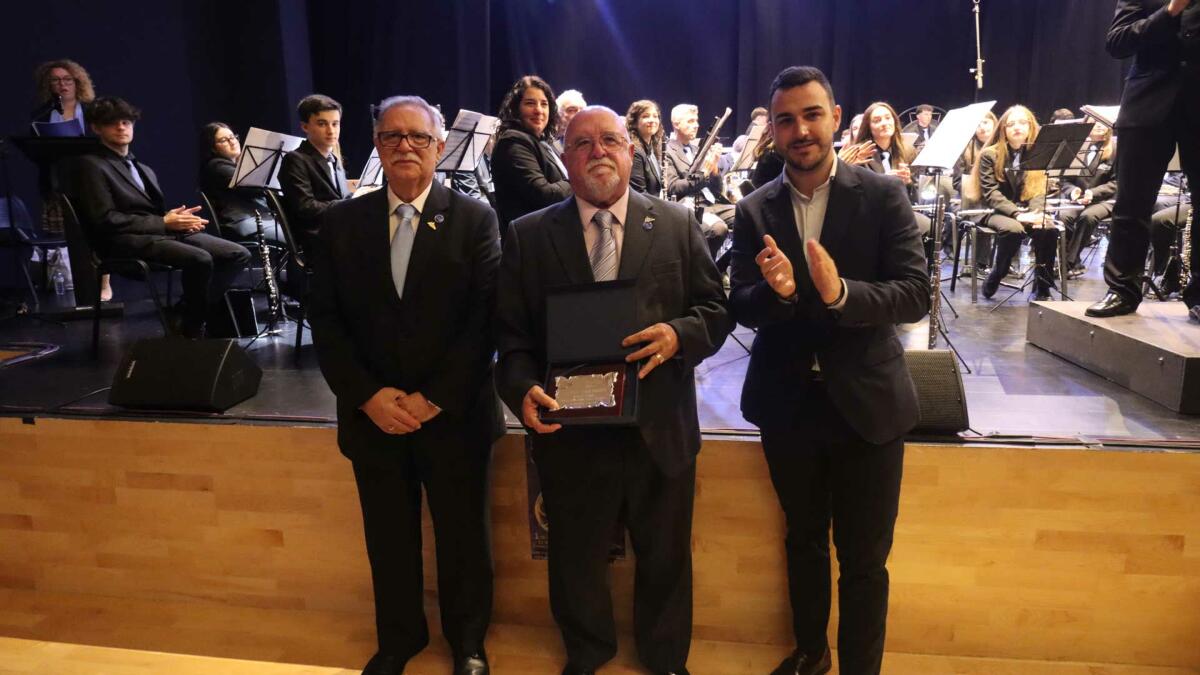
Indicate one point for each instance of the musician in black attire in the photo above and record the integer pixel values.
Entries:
(704, 186)
(1094, 193)
(1018, 199)
(1158, 111)
(312, 175)
(644, 123)
(235, 207)
(923, 126)
(527, 171)
(891, 154)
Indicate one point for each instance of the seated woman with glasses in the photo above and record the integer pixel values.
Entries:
(235, 207)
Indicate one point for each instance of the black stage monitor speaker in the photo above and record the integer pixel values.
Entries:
(174, 373)
(939, 391)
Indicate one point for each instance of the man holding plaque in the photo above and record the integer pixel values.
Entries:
(401, 311)
(826, 260)
(593, 475)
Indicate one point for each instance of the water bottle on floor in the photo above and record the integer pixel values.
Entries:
(60, 283)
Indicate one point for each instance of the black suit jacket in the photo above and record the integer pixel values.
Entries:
(436, 340)
(645, 176)
(1143, 29)
(112, 206)
(231, 204)
(525, 176)
(1004, 197)
(679, 182)
(677, 283)
(308, 189)
(870, 232)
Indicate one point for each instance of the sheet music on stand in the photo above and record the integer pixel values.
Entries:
(950, 139)
(746, 160)
(1057, 150)
(372, 173)
(1104, 114)
(258, 165)
(468, 138)
(58, 129)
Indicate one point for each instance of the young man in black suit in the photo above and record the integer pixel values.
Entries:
(591, 475)
(401, 310)
(312, 176)
(826, 260)
(1159, 109)
(122, 207)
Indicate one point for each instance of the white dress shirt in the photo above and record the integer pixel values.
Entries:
(394, 203)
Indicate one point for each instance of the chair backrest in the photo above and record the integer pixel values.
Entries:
(84, 260)
(14, 213)
(282, 221)
(214, 221)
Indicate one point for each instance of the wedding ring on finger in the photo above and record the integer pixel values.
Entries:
(391, 427)
(658, 357)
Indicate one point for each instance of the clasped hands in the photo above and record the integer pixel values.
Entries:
(776, 269)
(184, 220)
(397, 412)
(661, 343)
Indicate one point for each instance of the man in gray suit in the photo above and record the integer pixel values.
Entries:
(591, 477)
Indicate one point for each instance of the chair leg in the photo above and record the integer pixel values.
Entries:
(300, 330)
(158, 306)
(96, 308)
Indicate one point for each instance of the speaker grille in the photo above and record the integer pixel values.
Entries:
(939, 391)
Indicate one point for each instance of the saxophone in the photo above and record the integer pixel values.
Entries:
(1185, 255)
(273, 304)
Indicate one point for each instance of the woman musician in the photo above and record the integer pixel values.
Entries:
(644, 122)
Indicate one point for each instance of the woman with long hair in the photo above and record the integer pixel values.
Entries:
(1017, 198)
(964, 170)
(891, 154)
(235, 207)
(528, 173)
(644, 122)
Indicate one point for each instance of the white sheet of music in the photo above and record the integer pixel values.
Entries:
(948, 142)
(257, 166)
(469, 136)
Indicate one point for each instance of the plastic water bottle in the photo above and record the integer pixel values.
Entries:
(60, 283)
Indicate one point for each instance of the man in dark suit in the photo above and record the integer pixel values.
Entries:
(704, 187)
(1159, 108)
(312, 176)
(403, 336)
(826, 260)
(590, 476)
(923, 126)
(122, 207)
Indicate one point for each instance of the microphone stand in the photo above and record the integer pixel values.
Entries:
(977, 71)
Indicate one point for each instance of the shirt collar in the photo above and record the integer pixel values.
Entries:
(394, 202)
(823, 187)
(619, 209)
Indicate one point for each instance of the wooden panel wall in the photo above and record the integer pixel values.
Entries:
(1016, 553)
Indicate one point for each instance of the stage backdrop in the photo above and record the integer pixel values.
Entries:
(188, 63)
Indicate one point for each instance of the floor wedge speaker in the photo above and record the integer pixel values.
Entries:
(939, 391)
(174, 373)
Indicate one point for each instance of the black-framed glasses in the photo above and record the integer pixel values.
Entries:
(62, 80)
(391, 139)
(228, 139)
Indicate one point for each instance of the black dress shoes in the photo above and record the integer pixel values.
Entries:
(475, 664)
(1111, 305)
(385, 664)
(803, 664)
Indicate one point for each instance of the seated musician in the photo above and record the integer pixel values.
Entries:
(703, 187)
(889, 154)
(235, 207)
(569, 103)
(923, 126)
(312, 176)
(1094, 193)
(1165, 227)
(756, 115)
(645, 128)
(1018, 199)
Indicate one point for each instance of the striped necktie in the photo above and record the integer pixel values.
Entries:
(604, 253)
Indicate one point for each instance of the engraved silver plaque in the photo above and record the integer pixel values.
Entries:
(576, 392)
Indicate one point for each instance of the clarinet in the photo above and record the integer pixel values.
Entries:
(1185, 256)
(273, 304)
(935, 275)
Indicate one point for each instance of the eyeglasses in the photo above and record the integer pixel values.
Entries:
(391, 139)
(62, 80)
(611, 143)
(228, 139)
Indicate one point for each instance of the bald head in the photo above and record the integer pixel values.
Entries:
(598, 155)
(596, 111)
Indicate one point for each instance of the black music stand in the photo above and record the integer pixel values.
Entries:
(1175, 253)
(1056, 151)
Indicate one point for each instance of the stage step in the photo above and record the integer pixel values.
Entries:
(1154, 352)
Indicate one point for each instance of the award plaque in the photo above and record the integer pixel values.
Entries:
(587, 373)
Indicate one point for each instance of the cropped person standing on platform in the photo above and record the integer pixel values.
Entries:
(312, 175)
(1159, 109)
(526, 169)
(594, 477)
(403, 332)
(826, 261)
(120, 201)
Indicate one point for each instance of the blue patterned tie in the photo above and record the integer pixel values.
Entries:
(402, 243)
(604, 253)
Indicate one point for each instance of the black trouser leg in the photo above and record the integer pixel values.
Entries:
(1009, 234)
(1045, 254)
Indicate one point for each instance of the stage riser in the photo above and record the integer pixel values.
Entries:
(1015, 553)
(1155, 358)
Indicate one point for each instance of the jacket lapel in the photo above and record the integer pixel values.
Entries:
(122, 169)
(432, 224)
(844, 200)
(639, 235)
(566, 236)
(321, 166)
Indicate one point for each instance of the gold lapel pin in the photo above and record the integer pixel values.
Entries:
(434, 223)
(648, 224)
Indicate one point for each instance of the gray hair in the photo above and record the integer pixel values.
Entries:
(570, 96)
(435, 115)
(682, 110)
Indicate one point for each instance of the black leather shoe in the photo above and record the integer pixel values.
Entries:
(475, 664)
(990, 287)
(385, 664)
(1111, 305)
(572, 670)
(803, 664)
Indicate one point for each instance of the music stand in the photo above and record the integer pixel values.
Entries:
(746, 160)
(467, 140)
(939, 155)
(372, 174)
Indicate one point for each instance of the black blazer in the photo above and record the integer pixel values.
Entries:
(1004, 197)
(677, 283)
(436, 340)
(1143, 29)
(308, 188)
(1102, 183)
(870, 232)
(645, 176)
(111, 206)
(876, 165)
(526, 177)
(231, 204)
(677, 179)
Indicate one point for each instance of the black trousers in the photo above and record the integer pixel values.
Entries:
(453, 468)
(825, 474)
(1080, 227)
(591, 480)
(1009, 233)
(209, 265)
(1142, 158)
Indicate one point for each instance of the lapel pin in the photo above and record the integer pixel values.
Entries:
(437, 220)
(648, 224)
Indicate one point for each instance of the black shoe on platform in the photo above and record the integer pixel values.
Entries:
(385, 664)
(803, 664)
(1111, 305)
(475, 664)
